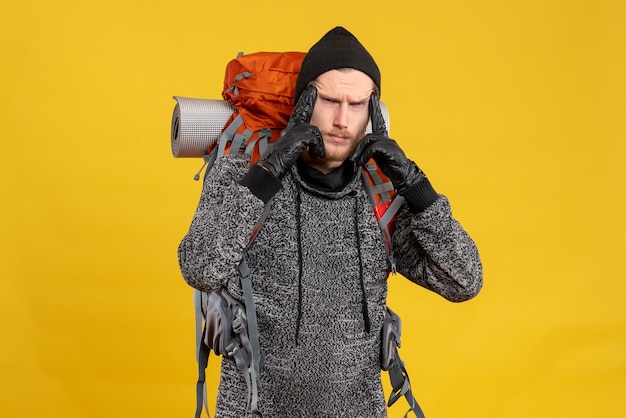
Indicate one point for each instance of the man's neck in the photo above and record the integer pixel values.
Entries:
(331, 180)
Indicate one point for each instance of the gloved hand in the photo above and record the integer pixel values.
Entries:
(402, 172)
(295, 138)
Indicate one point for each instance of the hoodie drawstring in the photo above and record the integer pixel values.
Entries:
(366, 316)
(300, 259)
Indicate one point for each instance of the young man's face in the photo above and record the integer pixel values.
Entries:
(341, 113)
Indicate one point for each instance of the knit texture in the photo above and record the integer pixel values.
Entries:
(321, 362)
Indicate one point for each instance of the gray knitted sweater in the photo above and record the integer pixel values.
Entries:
(315, 289)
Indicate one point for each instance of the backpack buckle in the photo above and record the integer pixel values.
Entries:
(239, 325)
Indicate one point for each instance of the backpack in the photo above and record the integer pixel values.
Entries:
(258, 98)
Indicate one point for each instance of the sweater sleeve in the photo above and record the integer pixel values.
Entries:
(226, 215)
(433, 250)
(261, 183)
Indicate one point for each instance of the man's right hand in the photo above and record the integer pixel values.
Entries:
(295, 138)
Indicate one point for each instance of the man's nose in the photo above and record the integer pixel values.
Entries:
(341, 116)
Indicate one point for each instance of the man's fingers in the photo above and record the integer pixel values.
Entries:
(303, 109)
(316, 145)
(362, 151)
(365, 149)
(376, 116)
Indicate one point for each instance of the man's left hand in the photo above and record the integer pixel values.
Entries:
(402, 172)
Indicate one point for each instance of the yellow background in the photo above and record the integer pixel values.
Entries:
(515, 110)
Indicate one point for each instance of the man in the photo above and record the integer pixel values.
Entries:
(319, 263)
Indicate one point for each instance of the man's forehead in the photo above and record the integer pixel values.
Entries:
(345, 82)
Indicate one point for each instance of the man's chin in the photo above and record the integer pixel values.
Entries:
(326, 164)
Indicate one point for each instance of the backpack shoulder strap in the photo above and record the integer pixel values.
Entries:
(401, 386)
(249, 334)
(386, 204)
(254, 368)
(202, 354)
(393, 364)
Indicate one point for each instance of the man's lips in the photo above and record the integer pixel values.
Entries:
(337, 138)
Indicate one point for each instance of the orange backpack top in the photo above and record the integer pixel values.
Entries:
(261, 87)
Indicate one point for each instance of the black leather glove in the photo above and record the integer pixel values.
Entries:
(295, 138)
(402, 172)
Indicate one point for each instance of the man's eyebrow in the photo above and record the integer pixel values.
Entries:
(363, 100)
(334, 99)
(325, 96)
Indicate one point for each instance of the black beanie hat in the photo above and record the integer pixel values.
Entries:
(337, 49)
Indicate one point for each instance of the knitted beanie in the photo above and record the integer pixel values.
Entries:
(337, 49)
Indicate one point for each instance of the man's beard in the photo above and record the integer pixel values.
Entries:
(341, 152)
(336, 154)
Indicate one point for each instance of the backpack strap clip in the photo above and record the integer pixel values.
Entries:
(391, 362)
